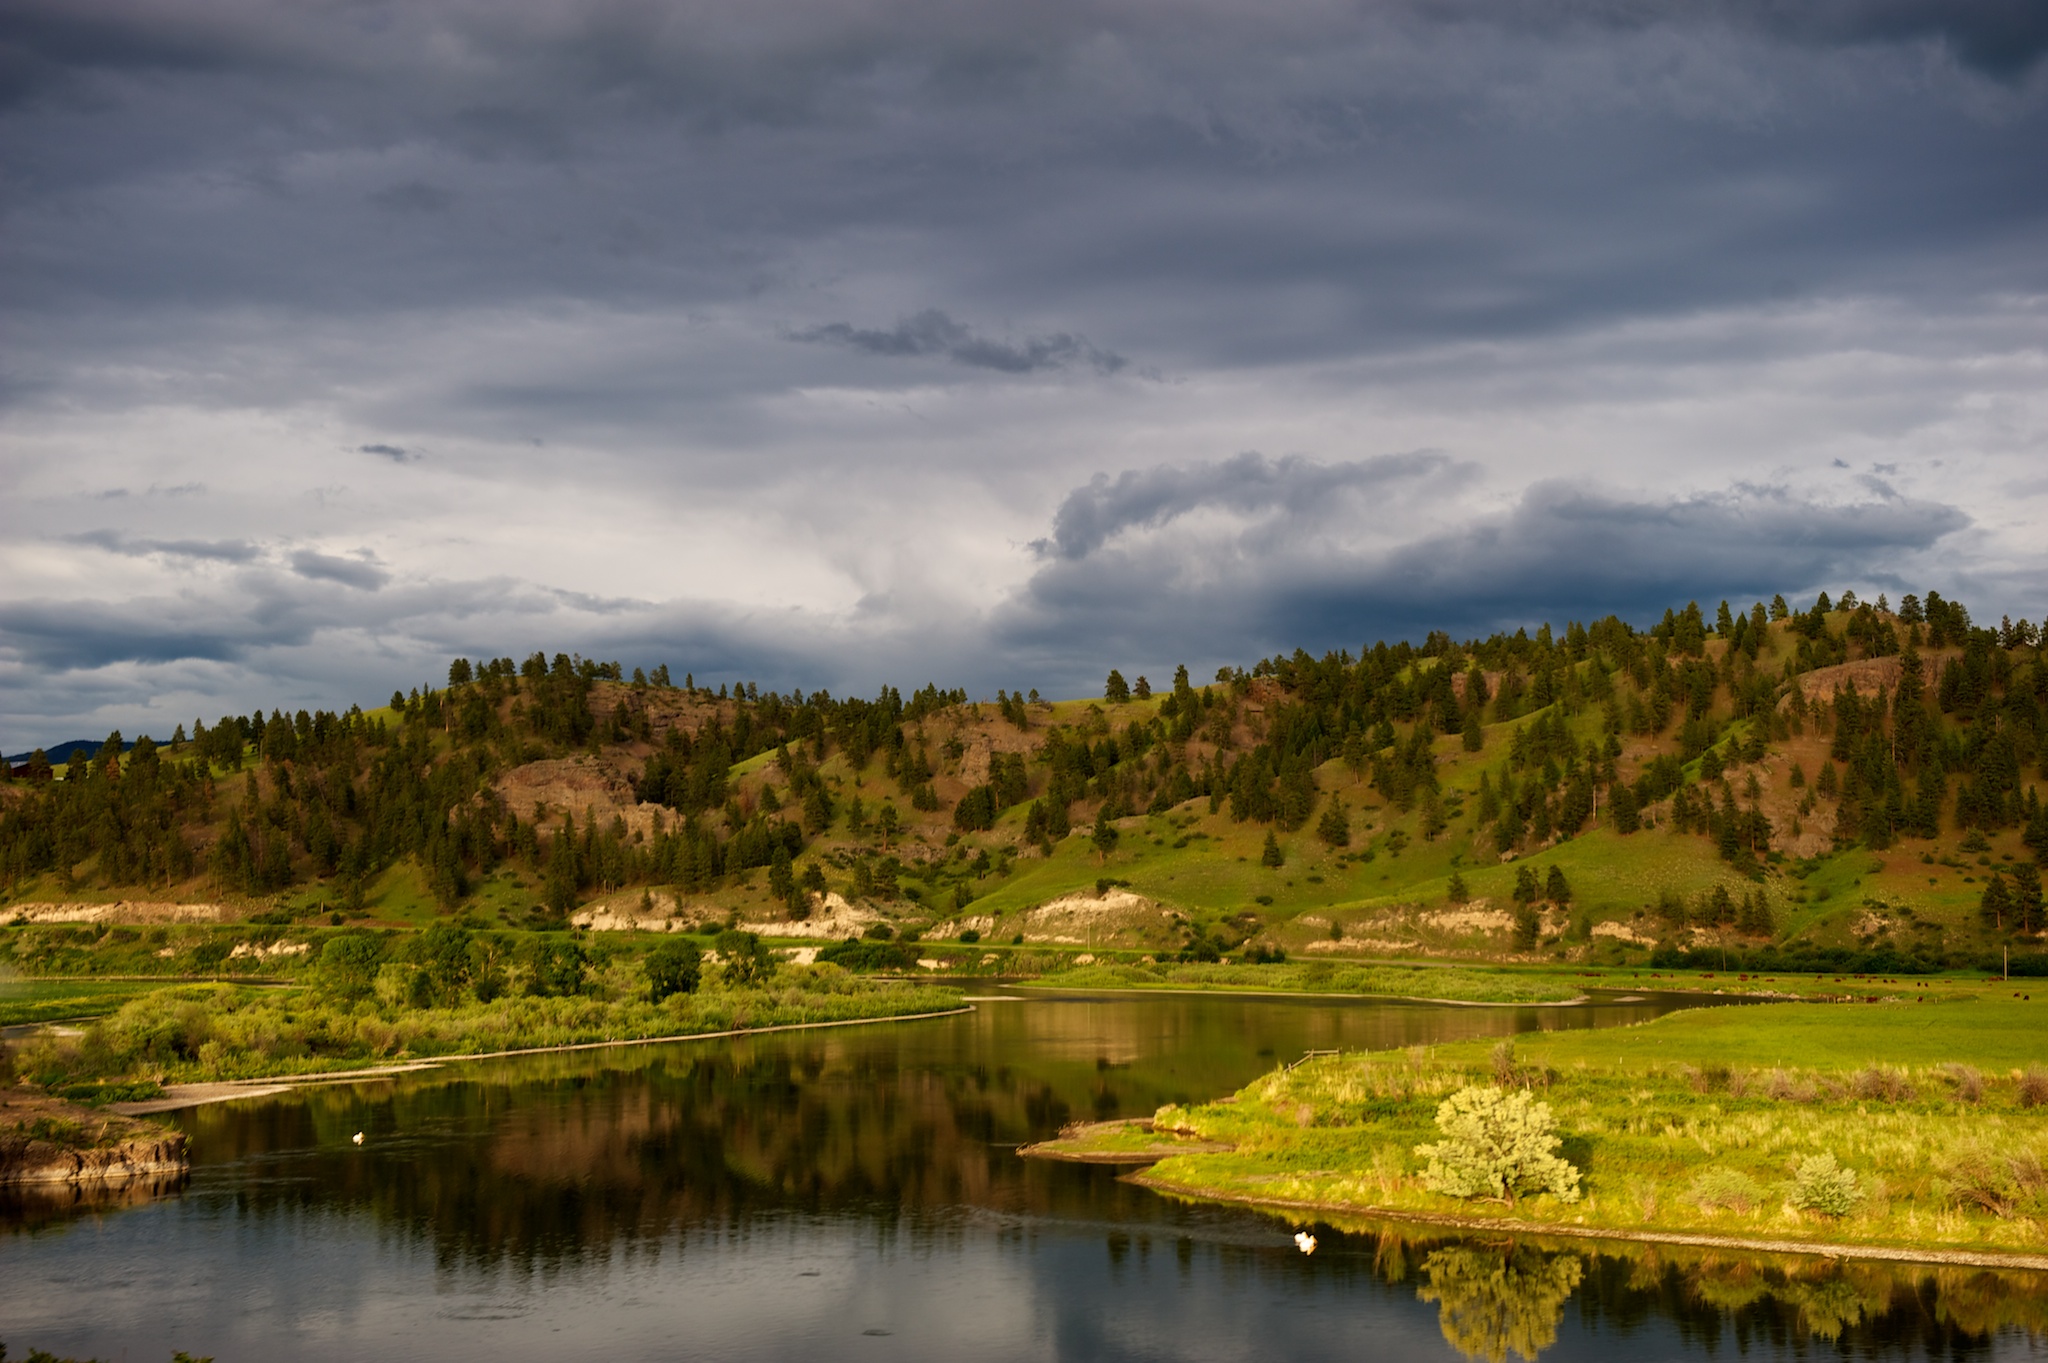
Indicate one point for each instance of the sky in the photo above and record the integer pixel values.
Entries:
(836, 343)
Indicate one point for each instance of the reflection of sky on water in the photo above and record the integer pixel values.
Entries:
(1198, 1285)
(781, 1198)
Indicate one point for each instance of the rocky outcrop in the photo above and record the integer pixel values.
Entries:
(48, 1142)
(156, 1156)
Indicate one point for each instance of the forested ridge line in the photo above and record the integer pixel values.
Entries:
(1759, 740)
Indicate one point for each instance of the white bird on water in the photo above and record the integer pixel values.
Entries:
(1305, 1242)
(358, 1138)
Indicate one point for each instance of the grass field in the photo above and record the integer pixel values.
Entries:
(62, 999)
(1691, 1123)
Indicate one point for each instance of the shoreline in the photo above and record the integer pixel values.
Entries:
(1813, 1249)
(1141, 990)
(179, 1097)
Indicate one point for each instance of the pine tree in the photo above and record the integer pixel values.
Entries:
(2026, 897)
(1272, 855)
(1623, 811)
(1995, 905)
(1556, 888)
(1335, 827)
(1472, 735)
(1116, 689)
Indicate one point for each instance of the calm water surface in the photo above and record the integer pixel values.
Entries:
(853, 1194)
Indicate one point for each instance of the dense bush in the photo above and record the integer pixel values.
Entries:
(1497, 1145)
(859, 954)
(1819, 1184)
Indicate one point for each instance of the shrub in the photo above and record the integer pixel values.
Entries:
(1717, 1188)
(1496, 1145)
(1710, 1079)
(856, 954)
(1967, 1081)
(1787, 1087)
(1884, 1085)
(2000, 1181)
(2033, 1087)
(1819, 1184)
(970, 936)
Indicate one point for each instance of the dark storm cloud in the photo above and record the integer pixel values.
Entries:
(1249, 483)
(934, 333)
(397, 454)
(413, 197)
(1562, 551)
(219, 551)
(67, 636)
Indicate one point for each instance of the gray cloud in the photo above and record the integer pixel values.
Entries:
(1737, 245)
(934, 333)
(218, 551)
(1143, 498)
(358, 573)
(71, 636)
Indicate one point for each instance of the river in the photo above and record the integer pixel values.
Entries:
(854, 1194)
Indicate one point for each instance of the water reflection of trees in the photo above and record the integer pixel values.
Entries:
(550, 1156)
(1501, 1297)
(533, 1166)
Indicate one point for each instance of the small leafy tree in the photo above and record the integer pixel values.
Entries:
(674, 967)
(559, 966)
(348, 965)
(1105, 839)
(747, 962)
(1497, 1145)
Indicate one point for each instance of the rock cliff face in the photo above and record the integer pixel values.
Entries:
(25, 1159)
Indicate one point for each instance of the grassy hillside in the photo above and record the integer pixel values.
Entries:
(1830, 789)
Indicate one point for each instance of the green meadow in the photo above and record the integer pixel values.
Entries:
(1694, 1123)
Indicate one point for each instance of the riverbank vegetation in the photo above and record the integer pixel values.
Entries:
(1921, 1125)
(449, 992)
